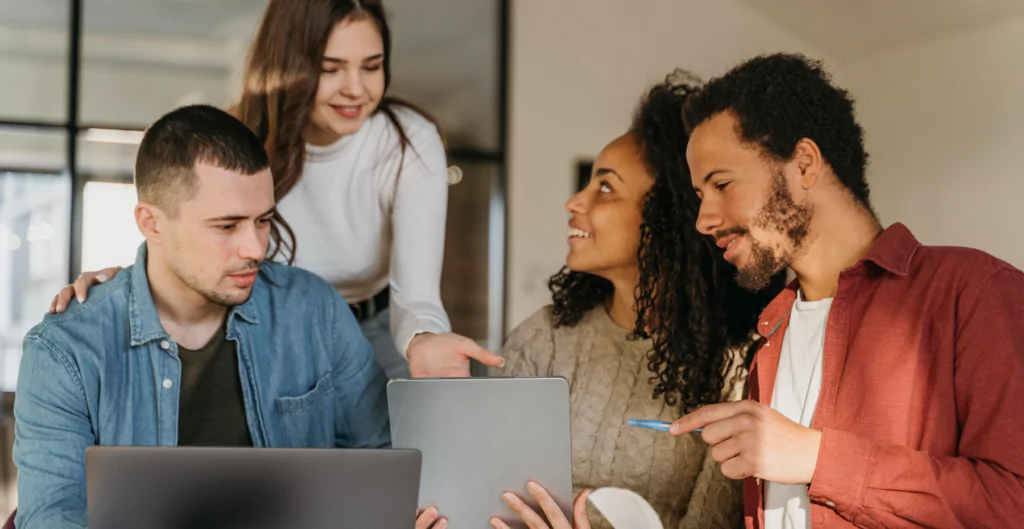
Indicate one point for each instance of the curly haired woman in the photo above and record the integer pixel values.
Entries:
(646, 322)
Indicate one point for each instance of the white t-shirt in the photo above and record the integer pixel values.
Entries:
(361, 225)
(797, 387)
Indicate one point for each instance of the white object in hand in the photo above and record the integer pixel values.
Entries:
(625, 509)
(454, 175)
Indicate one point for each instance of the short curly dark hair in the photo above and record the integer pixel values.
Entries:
(687, 303)
(782, 98)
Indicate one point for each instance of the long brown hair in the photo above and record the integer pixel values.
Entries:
(281, 77)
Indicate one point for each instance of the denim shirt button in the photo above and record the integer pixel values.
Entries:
(164, 344)
(168, 383)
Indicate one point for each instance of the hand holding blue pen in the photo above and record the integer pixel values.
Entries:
(751, 440)
(660, 426)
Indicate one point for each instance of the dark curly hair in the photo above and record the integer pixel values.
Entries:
(782, 98)
(687, 301)
(575, 293)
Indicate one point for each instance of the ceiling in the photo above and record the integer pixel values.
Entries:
(446, 51)
(848, 30)
(204, 19)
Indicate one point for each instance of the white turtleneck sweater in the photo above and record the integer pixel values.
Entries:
(362, 224)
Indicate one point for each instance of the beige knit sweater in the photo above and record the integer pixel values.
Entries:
(609, 382)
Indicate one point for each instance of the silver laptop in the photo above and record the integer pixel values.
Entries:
(481, 437)
(251, 488)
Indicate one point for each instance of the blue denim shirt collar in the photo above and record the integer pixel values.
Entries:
(144, 322)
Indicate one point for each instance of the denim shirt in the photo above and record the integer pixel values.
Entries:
(106, 373)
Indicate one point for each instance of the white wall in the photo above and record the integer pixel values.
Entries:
(945, 132)
(578, 68)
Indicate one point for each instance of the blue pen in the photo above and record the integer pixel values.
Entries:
(660, 426)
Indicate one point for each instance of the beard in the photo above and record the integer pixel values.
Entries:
(763, 265)
(780, 214)
(229, 297)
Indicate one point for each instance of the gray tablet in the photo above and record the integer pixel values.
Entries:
(481, 437)
(254, 488)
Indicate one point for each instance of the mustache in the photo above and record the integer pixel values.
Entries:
(250, 267)
(738, 230)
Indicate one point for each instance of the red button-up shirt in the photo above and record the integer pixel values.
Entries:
(922, 395)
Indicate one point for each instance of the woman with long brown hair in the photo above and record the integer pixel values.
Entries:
(360, 176)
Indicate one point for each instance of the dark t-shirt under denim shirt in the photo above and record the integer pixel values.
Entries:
(106, 373)
(211, 409)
